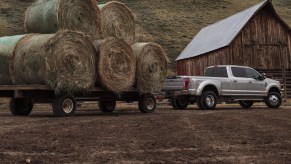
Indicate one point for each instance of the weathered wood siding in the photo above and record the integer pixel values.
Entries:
(264, 43)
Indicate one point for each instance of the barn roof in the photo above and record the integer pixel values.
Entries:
(219, 34)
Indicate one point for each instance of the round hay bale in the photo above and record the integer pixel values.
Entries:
(152, 64)
(116, 64)
(7, 45)
(65, 61)
(117, 21)
(49, 16)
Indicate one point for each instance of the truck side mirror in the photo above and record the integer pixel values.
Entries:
(262, 77)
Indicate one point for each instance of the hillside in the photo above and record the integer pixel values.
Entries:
(166, 22)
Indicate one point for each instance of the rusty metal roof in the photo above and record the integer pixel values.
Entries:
(219, 34)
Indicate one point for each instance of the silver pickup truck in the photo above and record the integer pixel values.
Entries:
(223, 83)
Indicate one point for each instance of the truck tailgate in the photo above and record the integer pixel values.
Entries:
(173, 84)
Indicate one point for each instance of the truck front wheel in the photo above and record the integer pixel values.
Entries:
(107, 106)
(207, 100)
(20, 106)
(273, 100)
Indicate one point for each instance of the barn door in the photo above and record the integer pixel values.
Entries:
(268, 57)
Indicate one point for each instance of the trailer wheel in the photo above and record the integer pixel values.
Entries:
(107, 106)
(208, 100)
(20, 106)
(180, 102)
(147, 103)
(246, 104)
(273, 100)
(64, 105)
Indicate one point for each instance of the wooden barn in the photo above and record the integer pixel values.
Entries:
(256, 37)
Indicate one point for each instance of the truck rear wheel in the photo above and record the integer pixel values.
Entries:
(246, 104)
(147, 103)
(107, 106)
(64, 105)
(181, 102)
(207, 100)
(273, 100)
(174, 104)
(198, 103)
(20, 106)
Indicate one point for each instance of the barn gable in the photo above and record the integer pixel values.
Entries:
(222, 33)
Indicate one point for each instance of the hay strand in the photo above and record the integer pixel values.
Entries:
(117, 21)
(65, 61)
(49, 16)
(7, 46)
(116, 64)
(151, 67)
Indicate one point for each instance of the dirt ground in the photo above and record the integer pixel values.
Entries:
(226, 135)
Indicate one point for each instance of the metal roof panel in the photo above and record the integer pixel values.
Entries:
(219, 34)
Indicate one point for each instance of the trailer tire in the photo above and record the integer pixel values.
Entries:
(246, 104)
(64, 105)
(181, 102)
(107, 106)
(273, 100)
(147, 103)
(20, 106)
(208, 100)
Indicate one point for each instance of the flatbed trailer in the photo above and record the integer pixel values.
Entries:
(23, 98)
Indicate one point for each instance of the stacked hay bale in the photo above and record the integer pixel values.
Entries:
(116, 64)
(7, 46)
(151, 67)
(101, 53)
(64, 61)
(118, 21)
(49, 16)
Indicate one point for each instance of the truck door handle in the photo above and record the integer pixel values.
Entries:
(235, 81)
(250, 82)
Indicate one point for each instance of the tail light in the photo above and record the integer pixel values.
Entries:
(186, 83)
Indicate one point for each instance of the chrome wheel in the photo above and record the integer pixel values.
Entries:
(210, 100)
(68, 106)
(150, 103)
(207, 100)
(273, 100)
(147, 103)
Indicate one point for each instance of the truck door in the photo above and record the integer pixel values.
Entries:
(220, 72)
(247, 83)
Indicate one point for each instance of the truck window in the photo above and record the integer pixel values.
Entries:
(252, 73)
(239, 72)
(209, 72)
(216, 72)
(220, 72)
